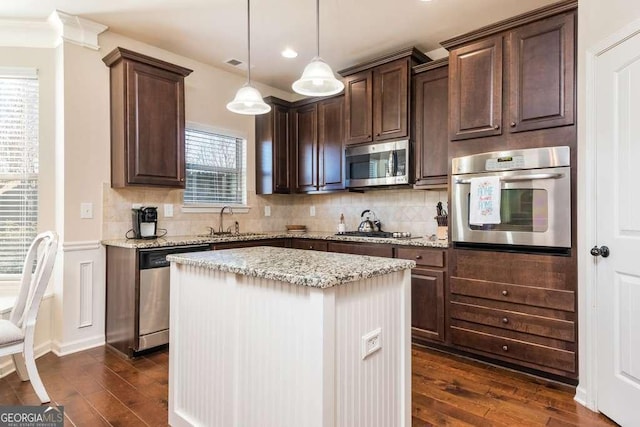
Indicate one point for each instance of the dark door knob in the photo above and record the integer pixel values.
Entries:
(602, 251)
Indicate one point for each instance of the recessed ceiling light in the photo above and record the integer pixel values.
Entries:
(289, 53)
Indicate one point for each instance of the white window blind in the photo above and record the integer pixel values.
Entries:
(215, 168)
(18, 167)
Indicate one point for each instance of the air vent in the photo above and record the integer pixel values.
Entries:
(233, 62)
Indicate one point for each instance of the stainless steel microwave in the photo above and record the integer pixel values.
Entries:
(377, 164)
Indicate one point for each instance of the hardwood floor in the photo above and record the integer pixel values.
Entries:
(98, 388)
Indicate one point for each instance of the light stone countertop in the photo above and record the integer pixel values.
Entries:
(296, 266)
(195, 240)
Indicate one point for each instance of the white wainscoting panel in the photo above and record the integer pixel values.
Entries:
(79, 310)
(86, 294)
(255, 352)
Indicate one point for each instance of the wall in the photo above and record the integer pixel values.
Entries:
(597, 19)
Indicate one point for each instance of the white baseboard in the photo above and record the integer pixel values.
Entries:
(581, 398)
(7, 367)
(60, 349)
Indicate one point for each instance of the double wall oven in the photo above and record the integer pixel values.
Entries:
(535, 199)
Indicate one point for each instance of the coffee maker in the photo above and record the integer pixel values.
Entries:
(145, 221)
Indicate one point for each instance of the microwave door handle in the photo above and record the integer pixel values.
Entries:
(517, 178)
(393, 163)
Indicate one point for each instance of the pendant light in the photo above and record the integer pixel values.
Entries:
(248, 99)
(317, 78)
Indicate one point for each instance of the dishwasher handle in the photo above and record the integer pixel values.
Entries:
(157, 257)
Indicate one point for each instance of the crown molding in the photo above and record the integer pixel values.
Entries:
(76, 30)
(59, 27)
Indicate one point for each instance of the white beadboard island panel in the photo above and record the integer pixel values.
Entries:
(253, 351)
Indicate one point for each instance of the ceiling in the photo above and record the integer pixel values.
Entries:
(351, 31)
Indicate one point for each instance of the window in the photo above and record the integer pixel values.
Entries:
(215, 168)
(18, 167)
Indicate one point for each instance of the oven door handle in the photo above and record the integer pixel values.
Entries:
(517, 178)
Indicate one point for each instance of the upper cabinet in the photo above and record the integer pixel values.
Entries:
(476, 89)
(377, 97)
(319, 145)
(515, 76)
(273, 148)
(147, 120)
(300, 146)
(430, 94)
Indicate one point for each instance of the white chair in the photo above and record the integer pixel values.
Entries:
(17, 333)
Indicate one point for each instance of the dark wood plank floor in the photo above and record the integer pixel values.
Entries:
(98, 388)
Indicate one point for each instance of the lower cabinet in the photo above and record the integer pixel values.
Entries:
(370, 249)
(427, 292)
(427, 304)
(310, 244)
(280, 243)
(516, 308)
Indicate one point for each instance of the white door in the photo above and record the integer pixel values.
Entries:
(618, 227)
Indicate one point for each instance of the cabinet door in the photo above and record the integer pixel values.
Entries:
(309, 244)
(359, 107)
(427, 304)
(431, 90)
(331, 144)
(541, 74)
(306, 140)
(476, 89)
(391, 100)
(281, 150)
(155, 130)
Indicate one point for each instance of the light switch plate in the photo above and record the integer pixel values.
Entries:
(136, 205)
(267, 211)
(312, 211)
(86, 210)
(168, 210)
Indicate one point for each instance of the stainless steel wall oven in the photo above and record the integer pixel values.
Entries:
(535, 205)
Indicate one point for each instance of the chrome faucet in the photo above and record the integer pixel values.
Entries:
(221, 227)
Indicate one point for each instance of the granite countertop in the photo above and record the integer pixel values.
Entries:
(296, 266)
(194, 240)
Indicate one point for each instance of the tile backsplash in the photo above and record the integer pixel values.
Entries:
(398, 210)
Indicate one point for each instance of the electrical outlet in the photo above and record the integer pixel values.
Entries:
(267, 211)
(136, 205)
(86, 210)
(312, 211)
(371, 343)
(168, 210)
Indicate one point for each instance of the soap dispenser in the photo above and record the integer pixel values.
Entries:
(342, 227)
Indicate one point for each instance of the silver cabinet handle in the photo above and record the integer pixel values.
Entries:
(517, 178)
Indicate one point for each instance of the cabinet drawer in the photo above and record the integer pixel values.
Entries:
(313, 245)
(426, 257)
(514, 349)
(380, 250)
(529, 295)
(520, 322)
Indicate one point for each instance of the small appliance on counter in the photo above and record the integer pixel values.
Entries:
(145, 222)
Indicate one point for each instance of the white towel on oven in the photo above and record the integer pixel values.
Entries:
(484, 203)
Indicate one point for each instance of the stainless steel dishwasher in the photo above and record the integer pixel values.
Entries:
(153, 314)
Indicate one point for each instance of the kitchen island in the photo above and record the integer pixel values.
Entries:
(268, 336)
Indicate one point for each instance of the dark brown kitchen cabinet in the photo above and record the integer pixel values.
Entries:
(427, 304)
(431, 97)
(310, 244)
(515, 307)
(427, 292)
(358, 89)
(541, 74)
(476, 89)
(305, 135)
(377, 97)
(515, 76)
(147, 120)
(331, 144)
(370, 249)
(319, 144)
(273, 149)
